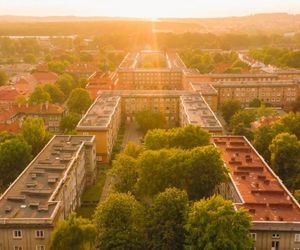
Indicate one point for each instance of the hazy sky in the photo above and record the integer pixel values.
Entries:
(146, 8)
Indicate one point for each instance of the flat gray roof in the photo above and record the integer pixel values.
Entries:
(32, 196)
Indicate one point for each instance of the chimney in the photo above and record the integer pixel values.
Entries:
(47, 105)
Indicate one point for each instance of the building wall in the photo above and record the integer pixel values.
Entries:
(169, 106)
(275, 95)
(106, 137)
(149, 80)
(286, 240)
(29, 241)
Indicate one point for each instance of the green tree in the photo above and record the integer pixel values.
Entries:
(29, 58)
(85, 57)
(242, 129)
(79, 101)
(21, 100)
(166, 219)
(197, 171)
(255, 103)
(285, 159)
(125, 171)
(186, 138)
(229, 108)
(57, 66)
(56, 95)
(69, 122)
(189, 137)
(120, 223)
(205, 171)
(73, 234)
(39, 95)
(289, 123)
(157, 139)
(3, 78)
(34, 133)
(296, 105)
(66, 83)
(148, 120)
(15, 154)
(215, 224)
(134, 150)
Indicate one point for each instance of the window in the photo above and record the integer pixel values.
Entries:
(297, 237)
(253, 236)
(275, 245)
(39, 234)
(99, 158)
(17, 234)
(18, 248)
(40, 247)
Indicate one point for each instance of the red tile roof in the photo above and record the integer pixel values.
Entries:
(8, 94)
(101, 81)
(261, 191)
(45, 77)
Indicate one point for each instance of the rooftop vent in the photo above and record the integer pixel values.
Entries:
(8, 209)
(16, 198)
(252, 210)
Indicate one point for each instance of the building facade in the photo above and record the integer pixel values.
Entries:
(276, 93)
(134, 74)
(13, 115)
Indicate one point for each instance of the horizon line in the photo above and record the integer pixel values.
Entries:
(147, 18)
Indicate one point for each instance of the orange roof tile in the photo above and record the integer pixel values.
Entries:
(260, 189)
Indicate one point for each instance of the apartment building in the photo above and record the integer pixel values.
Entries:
(276, 93)
(165, 73)
(101, 81)
(46, 191)
(192, 75)
(255, 187)
(103, 120)
(180, 108)
(208, 92)
(195, 110)
(13, 115)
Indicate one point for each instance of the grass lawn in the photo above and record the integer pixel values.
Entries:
(92, 194)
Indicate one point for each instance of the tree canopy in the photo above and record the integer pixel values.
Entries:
(39, 95)
(166, 219)
(148, 120)
(15, 154)
(69, 122)
(34, 133)
(119, 223)
(229, 108)
(198, 171)
(3, 78)
(73, 234)
(214, 224)
(185, 137)
(79, 101)
(285, 159)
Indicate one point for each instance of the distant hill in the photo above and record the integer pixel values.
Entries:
(278, 23)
